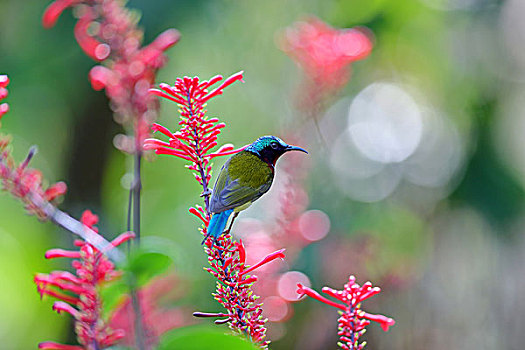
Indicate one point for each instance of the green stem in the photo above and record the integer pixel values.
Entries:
(134, 206)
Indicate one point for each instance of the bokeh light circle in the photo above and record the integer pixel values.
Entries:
(438, 158)
(314, 225)
(385, 123)
(287, 284)
(275, 308)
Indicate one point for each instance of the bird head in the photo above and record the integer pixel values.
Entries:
(270, 148)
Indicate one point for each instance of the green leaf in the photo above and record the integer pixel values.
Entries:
(154, 256)
(203, 337)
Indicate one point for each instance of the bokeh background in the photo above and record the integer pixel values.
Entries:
(414, 179)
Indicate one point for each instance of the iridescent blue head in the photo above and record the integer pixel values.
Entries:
(270, 148)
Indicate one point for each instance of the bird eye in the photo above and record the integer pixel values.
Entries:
(274, 145)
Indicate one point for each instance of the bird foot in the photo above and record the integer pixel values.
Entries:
(206, 193)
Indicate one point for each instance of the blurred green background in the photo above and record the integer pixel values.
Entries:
(429, 206)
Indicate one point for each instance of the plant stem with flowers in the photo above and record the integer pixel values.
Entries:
(82, 299)
(353, 320)
(194, 143)
(325, 55)
(26, 184)
(93, 267)
(107, 32)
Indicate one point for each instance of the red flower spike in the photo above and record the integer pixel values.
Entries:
(198, 134)
(325, 55)
(129, 67)
(227, 258)
(353, 320)
(81, 297)
(20, 180)
(324, 52)
(195, 141)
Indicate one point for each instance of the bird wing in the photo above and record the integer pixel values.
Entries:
(230, 193)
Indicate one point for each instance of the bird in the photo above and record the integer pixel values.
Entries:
(243, 179)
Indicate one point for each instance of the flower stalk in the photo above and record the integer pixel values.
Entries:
(26, 184)
(353, 320)
(78, 293)
(108, 33)
(195, 142)
(324, 54)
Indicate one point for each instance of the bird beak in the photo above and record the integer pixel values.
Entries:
(295, 148)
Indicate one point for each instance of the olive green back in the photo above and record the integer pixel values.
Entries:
(243, 179)
(250, 170)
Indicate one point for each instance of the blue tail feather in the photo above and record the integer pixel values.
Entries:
(218, 224)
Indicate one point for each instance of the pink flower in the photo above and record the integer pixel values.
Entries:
(78, 293)
(227, 259)
(324, 54)
(198, 133)
(107, 32)
(353, 320)
(21, 181)
(194, 142)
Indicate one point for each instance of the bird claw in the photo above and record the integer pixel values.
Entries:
(206, 193)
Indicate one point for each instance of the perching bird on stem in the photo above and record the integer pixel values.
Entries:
(243, 179)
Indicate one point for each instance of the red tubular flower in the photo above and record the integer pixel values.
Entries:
(234, 292)
(198, 133)
(194, 142)
(78, 293)
(107, 32)
(54, 10)
(324, 54)
(21, 181)
(353, 320)
(91, 46)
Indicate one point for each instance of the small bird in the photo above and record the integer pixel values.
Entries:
(243, 179)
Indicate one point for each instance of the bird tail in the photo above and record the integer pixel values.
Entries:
(217, 224)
